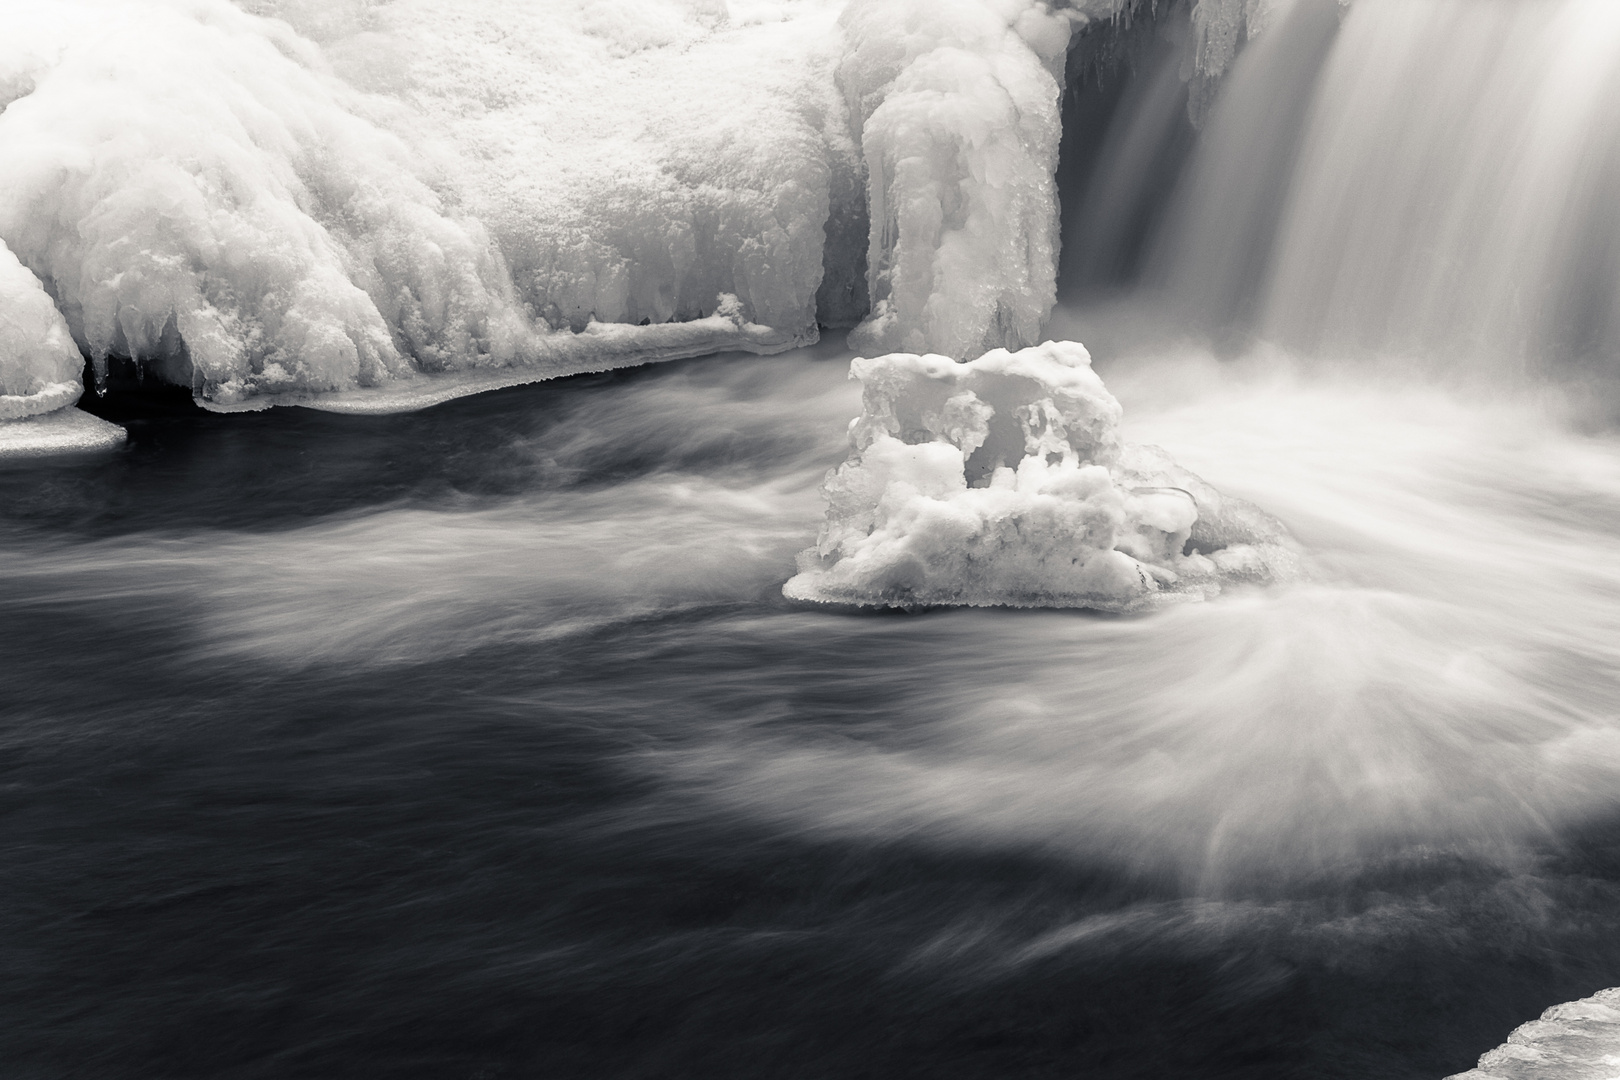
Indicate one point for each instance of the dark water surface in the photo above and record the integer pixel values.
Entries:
(479, 743)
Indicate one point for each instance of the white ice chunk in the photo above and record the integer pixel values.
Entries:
(1003, 481)
(40, 367)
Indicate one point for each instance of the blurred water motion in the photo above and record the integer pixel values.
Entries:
(480, 741)
(1411, 752)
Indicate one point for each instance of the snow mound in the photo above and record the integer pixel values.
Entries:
(1572, 1041)
(1003, 481)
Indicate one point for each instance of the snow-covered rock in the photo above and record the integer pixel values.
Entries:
(1578, 1040)
(1003, 481)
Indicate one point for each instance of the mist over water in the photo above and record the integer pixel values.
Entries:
(480, 741)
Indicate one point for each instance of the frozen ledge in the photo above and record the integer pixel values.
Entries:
(599, 347)
(66, 431)
(1578, 1040)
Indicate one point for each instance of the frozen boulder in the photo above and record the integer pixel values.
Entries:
(1003, 481)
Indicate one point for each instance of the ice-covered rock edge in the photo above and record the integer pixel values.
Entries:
(1577, 1040)
(1003, 481)
(313, 247)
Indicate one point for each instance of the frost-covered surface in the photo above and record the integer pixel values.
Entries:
(1003, 481)
(40, 367)
(1578, 1040)
(350, 195)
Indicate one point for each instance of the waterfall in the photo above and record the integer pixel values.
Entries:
(1412, 178)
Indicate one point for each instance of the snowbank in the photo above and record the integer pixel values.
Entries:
(1003, 481)
(1575, 1040)
(346, 196)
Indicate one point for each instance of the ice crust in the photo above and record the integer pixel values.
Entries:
(65, 431)
(1003, 481)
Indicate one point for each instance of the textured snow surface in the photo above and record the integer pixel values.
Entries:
(1578, 1040)
(348, 195)
(1003, 481)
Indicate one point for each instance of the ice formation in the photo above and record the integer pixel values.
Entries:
(361, 205)
(1578, 1040)
(956, 106)
(956, 103)
(1003, 481)
(306, 199)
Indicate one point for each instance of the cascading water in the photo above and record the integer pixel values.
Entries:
(480, 741)
(1436, 181)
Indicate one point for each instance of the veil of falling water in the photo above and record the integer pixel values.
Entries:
(1376, 291)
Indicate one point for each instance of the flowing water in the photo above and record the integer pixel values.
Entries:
(479, 742)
